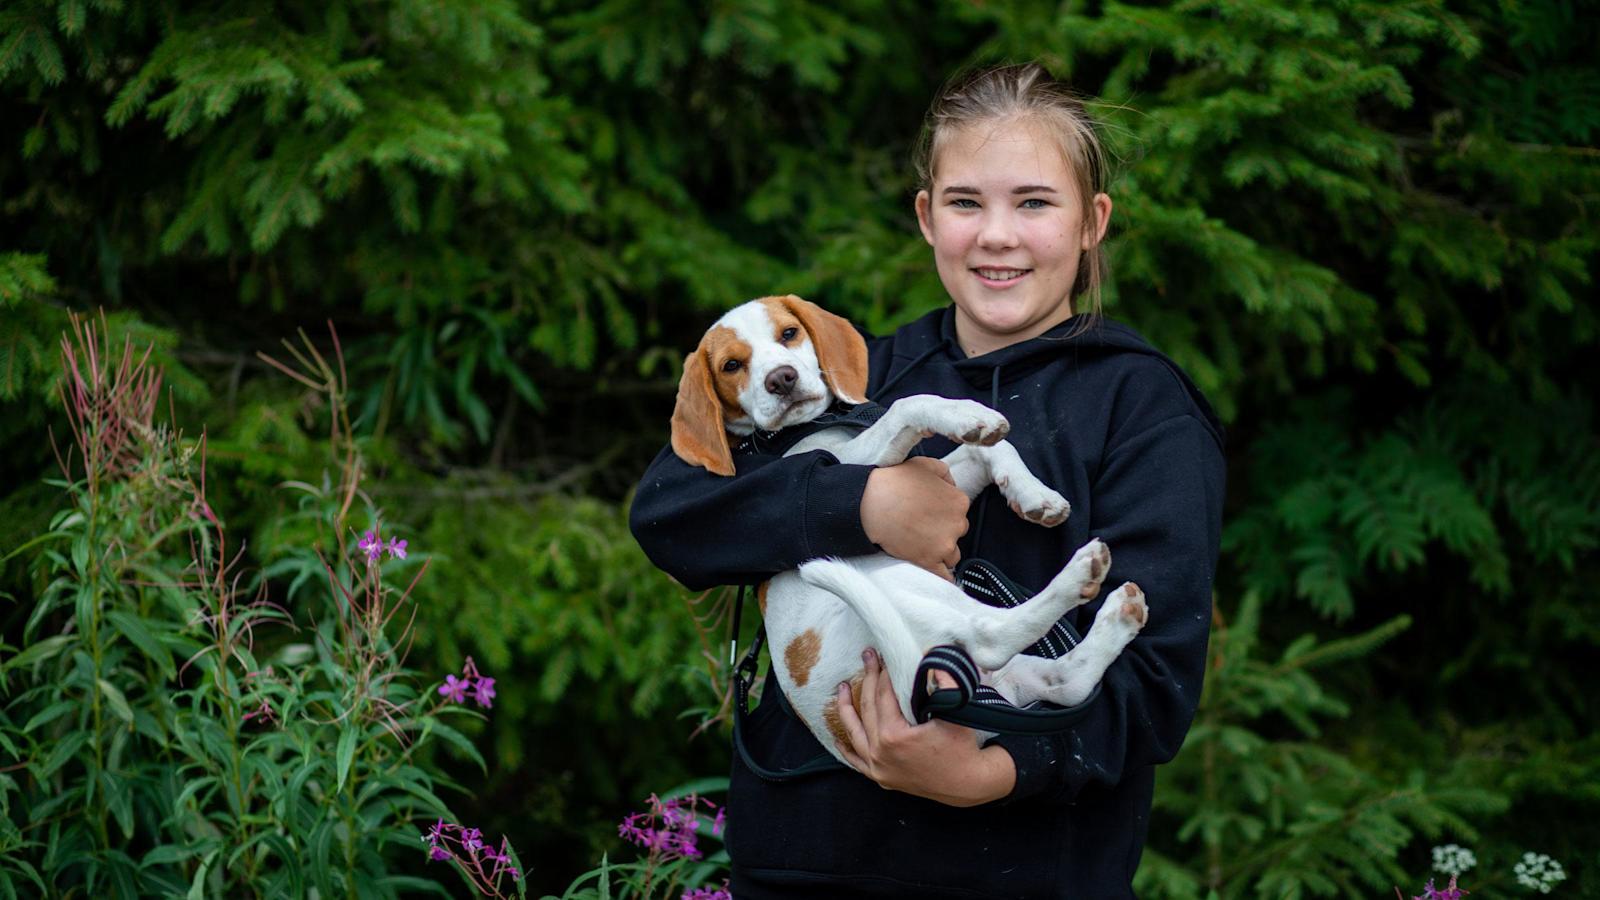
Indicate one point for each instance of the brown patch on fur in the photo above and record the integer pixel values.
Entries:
(761, 595)
(708, 397)
(802, 654)
(841, 351)
(830, 712)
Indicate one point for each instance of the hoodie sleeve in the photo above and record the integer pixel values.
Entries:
(1157, 503)
(773, 514)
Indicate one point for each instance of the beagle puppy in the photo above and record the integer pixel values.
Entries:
(778, 362)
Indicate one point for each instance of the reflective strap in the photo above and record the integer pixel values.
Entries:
(980, 706)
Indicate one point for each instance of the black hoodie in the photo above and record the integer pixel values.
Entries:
(1126, 437)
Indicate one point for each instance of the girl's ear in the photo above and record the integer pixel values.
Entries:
(1095, 232)
(841, 351)
(698, 436)
(924, 206)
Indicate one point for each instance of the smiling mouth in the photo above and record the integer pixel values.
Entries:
(998, 276)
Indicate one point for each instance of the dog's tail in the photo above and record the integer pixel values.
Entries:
(889, 630)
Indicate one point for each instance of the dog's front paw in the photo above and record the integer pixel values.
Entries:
(970, 422)
(965, 421)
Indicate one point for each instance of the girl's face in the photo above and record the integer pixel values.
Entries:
(1007, 229)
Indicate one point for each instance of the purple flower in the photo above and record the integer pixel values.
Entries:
(709, 893)
(397, 548)
(483, 692)
(1429, 892)
(372, 543)
(472, 839)
(678, 821)
(435, 834)
(454, 689)
(439, 854)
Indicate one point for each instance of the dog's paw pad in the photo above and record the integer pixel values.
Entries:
(1136, 612)
(1125, 608)
(987, 433)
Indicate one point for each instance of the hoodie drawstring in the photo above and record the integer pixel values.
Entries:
(983, 498)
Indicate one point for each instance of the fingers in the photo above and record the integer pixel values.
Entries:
(869, 691)
(936, 466)
(853, 749)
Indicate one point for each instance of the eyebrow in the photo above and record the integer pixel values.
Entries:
(1019, 189)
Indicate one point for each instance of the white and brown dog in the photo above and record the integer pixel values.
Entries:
(781, 361)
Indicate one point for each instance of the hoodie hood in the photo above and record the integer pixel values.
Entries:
(931, 340)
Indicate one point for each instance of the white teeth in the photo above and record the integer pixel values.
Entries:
(1002, 274)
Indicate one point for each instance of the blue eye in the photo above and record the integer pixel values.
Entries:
(964, 203)
(1034, 203)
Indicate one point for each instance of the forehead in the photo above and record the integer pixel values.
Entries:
(758, 321)
(1000, 155)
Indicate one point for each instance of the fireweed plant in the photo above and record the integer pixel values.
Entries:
(669, 831)
(168, 727)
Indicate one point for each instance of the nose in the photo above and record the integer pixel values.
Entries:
(780, 381)
(999, 232)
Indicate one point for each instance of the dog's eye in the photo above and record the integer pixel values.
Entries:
(731, 365)
(788, 334)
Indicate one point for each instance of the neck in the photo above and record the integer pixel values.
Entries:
(975, 341)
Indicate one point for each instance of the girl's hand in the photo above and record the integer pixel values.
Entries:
(915, 512)
(936, 760)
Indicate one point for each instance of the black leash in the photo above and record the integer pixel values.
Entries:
(744, 677)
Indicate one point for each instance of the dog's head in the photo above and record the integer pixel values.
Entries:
(766, 364)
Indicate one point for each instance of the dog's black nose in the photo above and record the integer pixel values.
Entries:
(781, 380)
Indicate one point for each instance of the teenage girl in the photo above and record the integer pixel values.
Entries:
(1012, 202)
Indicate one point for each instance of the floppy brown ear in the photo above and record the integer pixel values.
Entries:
(697, 433)
(840, 349)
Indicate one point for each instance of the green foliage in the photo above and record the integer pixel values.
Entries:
(179, 733)
(1365, 228)
(1270, 814)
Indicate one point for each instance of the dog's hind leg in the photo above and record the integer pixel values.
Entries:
(1070, 680)
(999, 634)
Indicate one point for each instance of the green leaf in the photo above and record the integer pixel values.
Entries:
(197, 887)
(119, 703)
(49, 714)
(431, 725)
(39, 652)
(168, 853)
(346, 752)
(132, 628)
(65, 750)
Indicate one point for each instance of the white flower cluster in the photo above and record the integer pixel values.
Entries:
(1453, 859)
(1539, 872)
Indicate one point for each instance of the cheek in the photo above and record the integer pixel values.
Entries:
(952, 236)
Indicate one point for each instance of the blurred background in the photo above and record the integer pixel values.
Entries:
(1367, 229)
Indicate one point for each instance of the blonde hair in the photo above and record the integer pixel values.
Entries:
(1026, 92)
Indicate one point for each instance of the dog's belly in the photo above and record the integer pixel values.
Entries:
(816, 641)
